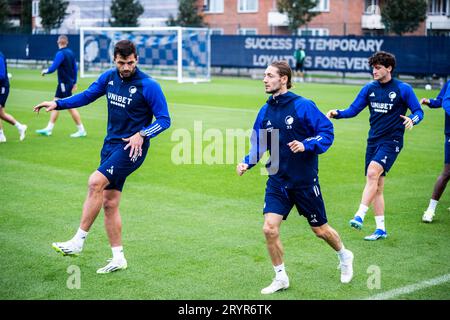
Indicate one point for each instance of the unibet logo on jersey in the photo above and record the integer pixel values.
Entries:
(117, 100)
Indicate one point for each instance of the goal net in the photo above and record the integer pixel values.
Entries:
(182, 54)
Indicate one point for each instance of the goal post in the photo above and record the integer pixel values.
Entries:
(176, 53)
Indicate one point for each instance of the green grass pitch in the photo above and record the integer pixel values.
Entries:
(195, 231)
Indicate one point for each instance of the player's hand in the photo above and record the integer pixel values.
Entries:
(332, 114)
(48, 105)
(425, 101)
(135, 144)
(408, 123)
(241, 168)
(296, 146)
(74, 88)
(43, 72)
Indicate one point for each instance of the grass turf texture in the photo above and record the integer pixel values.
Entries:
(194, 231)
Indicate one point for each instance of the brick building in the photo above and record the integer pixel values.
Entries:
(337, 17)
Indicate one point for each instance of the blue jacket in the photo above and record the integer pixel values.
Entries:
(66, 65)
(443, 100)
(132, 103)
(4, 81)
(293, 118)
(386, 101)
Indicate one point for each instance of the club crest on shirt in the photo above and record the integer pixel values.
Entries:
(132, 90)
(289, 120)
(392, 95)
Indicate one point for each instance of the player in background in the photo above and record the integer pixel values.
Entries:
(4, 92)
(442, 100)
(133, 99)
(66, 66)
(388, 100)
(297, 132)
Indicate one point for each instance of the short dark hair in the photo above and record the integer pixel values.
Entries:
(283, 70)
(383, 58)
(124, 48)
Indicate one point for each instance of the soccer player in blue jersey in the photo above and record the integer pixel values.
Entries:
(4, 92)
(133, 100)
(295, 132)
(442, 100)
(66, 66)
(388, 100)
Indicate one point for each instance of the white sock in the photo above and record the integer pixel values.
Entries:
(50, 126)
(118, 253)
(380, 222)
(362, 211)
(18, 125)
(280, 272)
(80, 127)
(432, 205)
(79, 237)
(342, 253)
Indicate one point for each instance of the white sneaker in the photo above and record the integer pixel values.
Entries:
(68, 248)
(2, 138)
(275, 286)
(22, 131)
(78, 134)
(113, 265)
(428, 216)
(346, 267)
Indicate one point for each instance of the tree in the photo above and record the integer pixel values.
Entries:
(4, 15)
(25, 17)
(400, 16)
(125, 13)
(188, 15)
(52, 13)
(298, 11)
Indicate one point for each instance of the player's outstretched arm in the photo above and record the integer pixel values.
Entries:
(425, 101)
(48, 105)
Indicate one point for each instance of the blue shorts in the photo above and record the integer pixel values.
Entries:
(63, 90)
(308, 202)
(447, 149)
(384, 153)
(4, 92)
(116, 164)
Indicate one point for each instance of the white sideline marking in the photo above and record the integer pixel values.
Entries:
(411, 288)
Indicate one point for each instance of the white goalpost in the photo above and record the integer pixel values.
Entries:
(175, 53)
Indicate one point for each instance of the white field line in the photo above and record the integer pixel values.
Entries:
(410, 288)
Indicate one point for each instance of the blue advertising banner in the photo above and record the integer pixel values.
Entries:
(415, 55)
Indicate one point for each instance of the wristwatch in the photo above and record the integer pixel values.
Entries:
(142, 133)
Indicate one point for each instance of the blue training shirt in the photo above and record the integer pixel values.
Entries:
(386, 101)
(295, 118)
(4, 81)
(66, 65)
(132, 103)
(443, 96)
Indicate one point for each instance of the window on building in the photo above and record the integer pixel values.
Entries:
(216, 31)
(247, 31)
(248, 6)
(372, 7)
(315, 32)
(213, 6)
(35, 9)
(438, 7)
(322, 6)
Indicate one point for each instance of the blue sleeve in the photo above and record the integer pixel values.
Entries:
(257, 140)
(155, 98)
(3, 74)
(95, 90)
(357, 106)
(446, 101)
(322, 133)
(437, 103)
(413, 104)
(59, 58)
